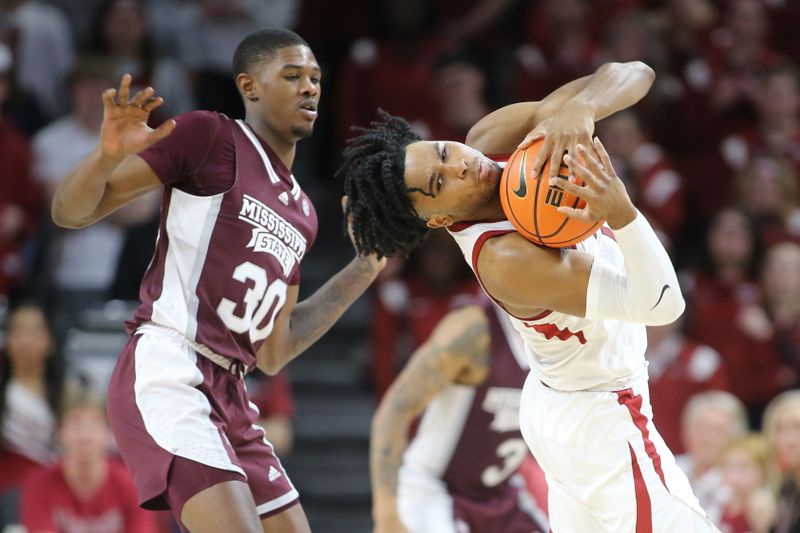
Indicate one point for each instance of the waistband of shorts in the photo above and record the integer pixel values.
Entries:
(234, 366)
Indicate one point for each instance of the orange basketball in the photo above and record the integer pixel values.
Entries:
(530, 202)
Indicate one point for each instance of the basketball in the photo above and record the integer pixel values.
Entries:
(531, 203)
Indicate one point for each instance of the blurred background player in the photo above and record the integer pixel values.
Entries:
(86, 490)
(220, 295)
(459, 471)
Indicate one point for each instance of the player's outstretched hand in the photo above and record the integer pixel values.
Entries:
(572, 125)
(125, 130)
(378, 264)
(603, 191)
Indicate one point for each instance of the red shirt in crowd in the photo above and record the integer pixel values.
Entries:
(48, 504)
(679, 369)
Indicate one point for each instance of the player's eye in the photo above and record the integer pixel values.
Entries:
(292, 77)
(315, 80)
(439, 183)
(444, 153)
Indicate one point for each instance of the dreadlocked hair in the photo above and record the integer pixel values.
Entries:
(383, 219)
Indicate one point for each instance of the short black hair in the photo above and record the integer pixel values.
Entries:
(383, 218)
(261, 45)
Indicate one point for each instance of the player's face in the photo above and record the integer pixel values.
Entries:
(451, 182)
(288, 88)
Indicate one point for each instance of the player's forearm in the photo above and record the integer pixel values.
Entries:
(314, 316)
(615, 86)
(77, 198)
(388, 442)
(647, 292)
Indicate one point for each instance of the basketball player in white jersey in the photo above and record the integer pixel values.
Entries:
(458, 472)
(585, 411)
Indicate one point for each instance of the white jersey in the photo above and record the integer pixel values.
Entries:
(567, 352)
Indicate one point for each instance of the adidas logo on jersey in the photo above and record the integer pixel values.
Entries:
(273, 473)
(284, 198)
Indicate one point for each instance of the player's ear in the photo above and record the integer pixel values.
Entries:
(247, 86)
(439, 221)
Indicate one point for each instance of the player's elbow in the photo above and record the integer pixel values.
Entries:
(63, 218)
(670, 310)
(270, 365)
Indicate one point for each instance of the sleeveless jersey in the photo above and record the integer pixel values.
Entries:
(469, 436)
(223, 262)
(567, 352)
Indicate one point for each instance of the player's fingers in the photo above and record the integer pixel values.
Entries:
(529, 139)
(544, 151)
(152, 103)
(142, 96)
(591, 162)
(555, 159)
(601, 152)
(573, 188)
(124, 89)
(577, 214)
(108, 98)
(577, 168)
(164, 129)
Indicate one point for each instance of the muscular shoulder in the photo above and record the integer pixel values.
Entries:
(528, 278)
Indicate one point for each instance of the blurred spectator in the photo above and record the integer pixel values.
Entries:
(121, 32)
(767, 190)
(653, 184)
(393, 71)
(459, 91)
(410, 304)
(43, 45)
(83, 262)
(722, 309)
(272, 395)
(21, 200)
(740, 54)
(203, 35)
(558, 48)
(777, 131)
(710, 422)
(17, 106)
(780, 282)
(31, 379)
(87, 491)
(749, 505)
(782, 430)
(678, 370)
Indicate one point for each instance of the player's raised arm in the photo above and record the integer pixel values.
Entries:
(457, 351)
(646, 292)
(566, 116)
(112, 175)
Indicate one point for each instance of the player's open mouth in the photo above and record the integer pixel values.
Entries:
(309, 109)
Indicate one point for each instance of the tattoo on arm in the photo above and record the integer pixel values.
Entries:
(312, 317)
(451, 352)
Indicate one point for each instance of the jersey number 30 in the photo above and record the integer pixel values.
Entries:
(258, 300)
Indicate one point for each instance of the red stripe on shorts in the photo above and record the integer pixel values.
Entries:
(634, 405)
(644, 515)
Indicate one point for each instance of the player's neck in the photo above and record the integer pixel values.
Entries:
(285, 150)
(491, 211)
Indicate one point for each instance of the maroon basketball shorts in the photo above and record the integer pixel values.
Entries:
(184, 423)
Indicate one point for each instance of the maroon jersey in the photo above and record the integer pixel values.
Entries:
(469, 436)
(234, 227)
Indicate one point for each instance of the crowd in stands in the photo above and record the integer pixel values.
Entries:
(711, 156)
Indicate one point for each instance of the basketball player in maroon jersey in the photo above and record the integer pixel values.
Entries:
(220, 295)
(456, 473)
